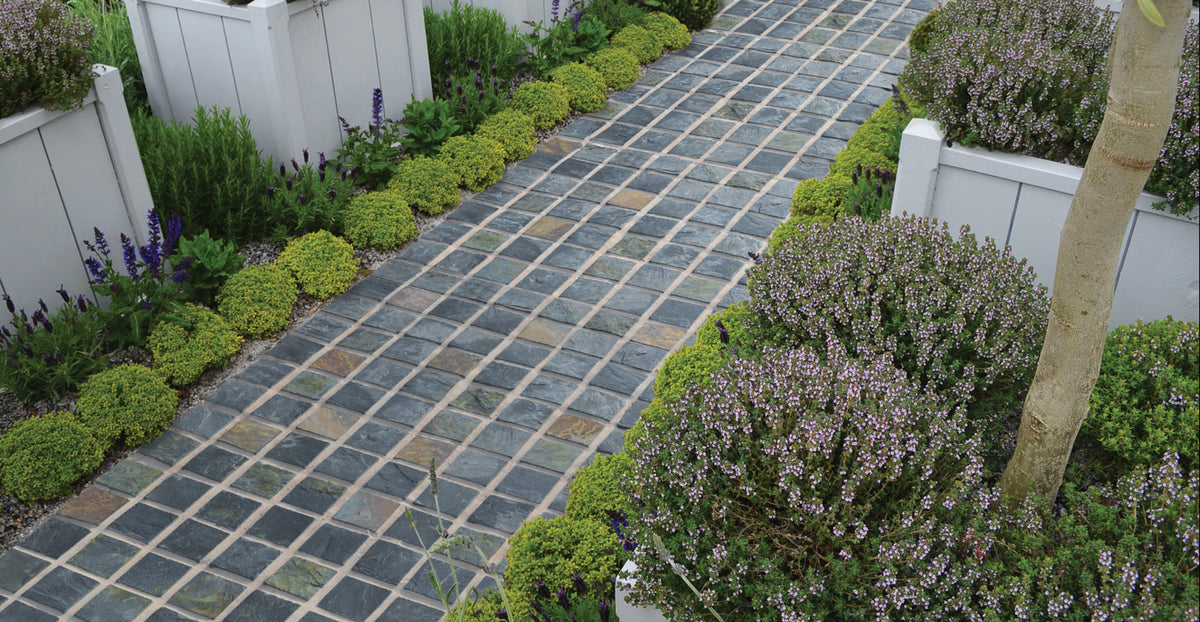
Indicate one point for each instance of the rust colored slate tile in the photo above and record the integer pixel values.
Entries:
(545, 332)
(455, 361)
(250, 435)
(550, 228)
(660, 335)
(560, 146)
(571, 428)
(633, 199)
(413, 299)
(329, 422)
(338, 362)
(93, 505)
(421, 450)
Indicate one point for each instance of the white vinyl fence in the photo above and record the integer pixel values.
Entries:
(61, 175)
(1023, 202)
(291, 68)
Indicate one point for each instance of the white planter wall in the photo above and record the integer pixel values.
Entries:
(292, 69)
(1023, 202)
(625, 611)
(61, 174)
(515, 12)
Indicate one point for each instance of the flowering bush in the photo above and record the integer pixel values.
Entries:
(545, 102)
(646, 48)
(513, 130)
(128, 401)
(379, 220)
(190, 342)
(1177, 175)
(41, 458)
(473, 95)
(258, 300)
(306, 198)
(371, 151)
(43, 56)
(322, 264)
(477, 162)
(47, 354)
(669, 31)
(565, 40)
(426, 184)
(585, 86)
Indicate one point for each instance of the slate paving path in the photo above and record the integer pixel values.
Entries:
(510, 344)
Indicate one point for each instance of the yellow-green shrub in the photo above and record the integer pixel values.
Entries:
(846, 161)
(514, 131)
(258, 300)
(322, 264)
(128, 401)
(596, 489)
(618, 67)
(737, 320)
(669, 31)
(484, 608)
(42, 457)
(378, 220)
(585, 86)
(191, 341)
(478, 162)
(820, 200)
(545, 102)
(427, 184)
(553, 550)
(646, 48)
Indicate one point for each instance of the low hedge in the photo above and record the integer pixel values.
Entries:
(428, 185)
(545, 102)
(618, 66)
(477, 162)
(258, 300)
(190, 342)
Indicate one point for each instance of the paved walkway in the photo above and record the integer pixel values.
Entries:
(510, 344)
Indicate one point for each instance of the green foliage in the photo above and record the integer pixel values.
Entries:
(112, 44)
(477, 162)
(41, 458)
(379, 220)
(429, 123)
(786, 230)
(484, 607)
(615, 14)
(209, 173)
(371, 151)
(670, 32)
(1147, 398)
(850, 159)
(514, 131)
(466, 35)
(819, 201)
(695, 14)
(597, 489)
(128, 401)
(545, 102)
(427, 184)
(641, 42)
(870, 194)
(50, 353)
(585, 86)
(738, 322)
(473, 98)
(618, 67)
(1177, 174)
(883, 130)
(564, 41)
(43, 56)
(208, 262)
(190, 342)
(258, 300)
(551, 551)
(322, 264)
(918, 39)
(307, 198)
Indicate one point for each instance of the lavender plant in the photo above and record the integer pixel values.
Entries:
(305, 198)
(465, 34)
(870, 194)
(372, 152)
(473, 94)
(43, 56)
(48, 353)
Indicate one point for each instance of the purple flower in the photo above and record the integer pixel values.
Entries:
(605, 610)
(9, 303)
(129, 256)
(62, 292)
(554, 12)
(180, 276)
(332, 191)
(82, 303)
(575, 19)
(724, 332)
(95, 270)
(295, 166)
(304, 153)
(283, 169)
(321, 161)
(377, 111)
(101, 242)
(270, 192)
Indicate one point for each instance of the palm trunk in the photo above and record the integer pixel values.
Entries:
(1141, 98)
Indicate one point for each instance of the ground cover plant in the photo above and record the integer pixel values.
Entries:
(586, 91)
(190, 342)
(43, 56)
(42, 457)
(379, 220)
(428, 185)
(129, 403)
(546, 103)
(514, 131)
(618, 67)
(477, 162)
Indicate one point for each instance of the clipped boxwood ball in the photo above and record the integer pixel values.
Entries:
(41, 458)
(585, 86)
(190, 342)
(597, 490)
(641, 42)
(514, 131)
(426, 184)
(258, 300)
(128, 401)
(670, 32)
(545, 102)
(618, 67)
(378, 220)
(552, 551)
(323, 264)
(478, 162)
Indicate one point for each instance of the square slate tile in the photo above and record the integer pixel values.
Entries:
(142, 522)
(206, 594)
(543, 281)
(452, 425)
(18, 611)
(501, 375)
(192, 540)
(430, 385)
(475, 466)
(619, 379)
(228, 510)
(177, 491)
(246, 558)
(333, 544)
(376, 437)
(367, 511)
(354, 599)
(452, 498)
(153, 574)
(113, 604)
(262, 607)
(397, 479)
(347, 464)
(357, 397)
(405, 610)
(388, 562)
(314, 495)
(527, 413)
(552, 455)
(60, 589)
(570, 365)
(55, 537)
(383, 373)
(297, 449)
(235, 394)
(422, 527)
(528, 484)
(102, 556)
(409, 350)
(280, 526)
(282, 410)
(501, 514)
(587, 290)
(263, 479)
(500, 438)
(310, 384)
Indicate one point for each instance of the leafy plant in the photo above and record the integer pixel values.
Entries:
(466, 34)
(148, 290)
(514, 131)
(112, 44)
(191, 342)
(429, 123)
(322, 264)
(43, 56)
(426, 184)
(870, 194)
(545, 102)
(371, 152)
(618, 67)
(474, 97)
(695, 14)
(305, 198)
(1177, 174)
(379, 220)
(585, 86)
(616, 14)
(258, 300)
(547, 554)
(642, 43)
(127, 402)
(49, 353)
(41, 458)
(820, 201)
(477, 162)
(564, 41)
(208, 262)
(597, 489)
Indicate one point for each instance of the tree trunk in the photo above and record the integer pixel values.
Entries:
(1141, 99)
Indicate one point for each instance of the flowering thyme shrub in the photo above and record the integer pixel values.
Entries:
(777, 486)
(477, 162)
(379, 220)
(43, 56)
(47, 354)
(545, 102)
(1177, 175)
(128, 401)
(258, 300)
(323, 264)
(618, 67)
(191, 342)
(41, 458)
(959, 317)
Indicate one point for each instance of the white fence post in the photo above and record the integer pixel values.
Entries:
(917, 175)
(123, 150)
(156, 88)
(288, 133)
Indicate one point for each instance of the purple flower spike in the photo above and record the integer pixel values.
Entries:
(332, 192)
(304, 153)
(9, 303)
(62, 292)
(295, 165)
(129, 256)
(604, 609)
(101, 242)
(95, 270)
(82, 303)
(561, 595)
(282, 170)
(377, 110)
(724, 333)
(321, 160)
(270, 192)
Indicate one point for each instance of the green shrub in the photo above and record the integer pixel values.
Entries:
(41, 458)
(552, 551)
(465, 37)
(615, 14)
(429, 123)
(190, 342)
(513, 130)
(484, 607)
(426, 184)
(585, 86)
(695, 14)
(918, 39)
(258, 300)
(112, 45)
(477, 162)
(43, 56)
(598, 489)
(738, 322)
(870, 194)
(820, 201)
(379, 220)
(670, 32)
(308, 198)
(545, 102)
(322, 264)
(50, 353)
(641, 42)
(209, 262)
(1147, 398)
(786, 230)
(128, 401)
(564, 41)
(847, 160)
(618, 67)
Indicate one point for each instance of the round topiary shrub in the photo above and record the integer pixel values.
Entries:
(41, 458)
(128, 401)
(597, 489)
(513, 130)
(1147, 398)
(819, 201)
(642, 43)
(618, 67)
(669, 31)
(378, 220)
(585, 86)
(258, 300)
(426, 184)
(191, 341)
(478, 162)
(551, 552)
(322, 264)
(957, 316)
(545, 102)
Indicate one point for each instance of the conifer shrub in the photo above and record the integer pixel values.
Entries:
(322, 264)
(618, 67)
(642, 43)
(190, 342)
(546, 554)
(426, 184)
(378, 220)
(669, 31)
(513, 130)
(258, 300)
(585, 86)
(477, 162)
(545, 102)
(41, 458)
(128, 402)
